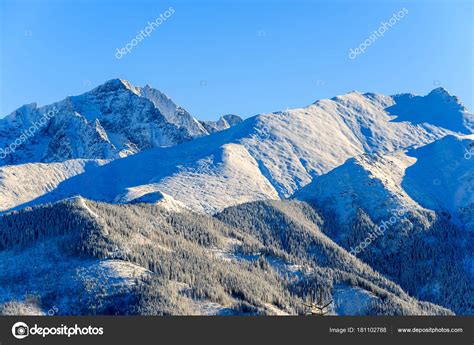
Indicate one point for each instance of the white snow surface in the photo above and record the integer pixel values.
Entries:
(173, 113)
(111, 121)
(351, 300)
(25, 182)
(150, 194)
(45, 270)
(434, 177)
(443, 178)
(268, 156)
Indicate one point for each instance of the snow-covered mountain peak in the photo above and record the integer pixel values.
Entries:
(20, 115)
(444, 95)
(113, 120)
(361, 102)
(440, 90)
(438, 108)
(232, 119)
(224, 122)
(351, 94)
(154, 95)
(276, 154)
(437, 177)
(115, 85)
(443, 178)
(363, 166)
(172, 112)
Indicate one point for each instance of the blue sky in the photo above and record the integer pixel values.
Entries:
(242, 57)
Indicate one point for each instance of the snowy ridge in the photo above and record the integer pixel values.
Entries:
(25, 182)
(224, 122)
(151, 195)
(443, 178)
(172, 112)
(113, 120)
(397, 211)
(298, 144)
(184, 204)
(438, 108)
(435, 177)
(269, 156)
(203, 179)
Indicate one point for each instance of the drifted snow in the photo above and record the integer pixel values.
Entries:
(228, 177)
(111, 121)
(350, 300)
(268, 156)
(434, 177)
(118, 271)
(150, 194)
(443, 178)
(25, 182)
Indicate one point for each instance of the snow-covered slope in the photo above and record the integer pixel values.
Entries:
(371, 182)
(438, 108)
(173, 113)
(201, 176)
(442, 179)
(437, 177)
(149, 194)
(83, 257)
(25, 182)
(113, 120)
(296, 145)
(409, 215)
(264, 157)
(361, 158)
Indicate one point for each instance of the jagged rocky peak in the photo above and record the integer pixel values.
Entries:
(108, 122)
(112, 120)
(232, 119)
(115, 85)
(224, 122)
(172, 112)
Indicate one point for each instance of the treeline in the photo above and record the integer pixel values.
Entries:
(254, 259)
(431, 260)
(25, 227)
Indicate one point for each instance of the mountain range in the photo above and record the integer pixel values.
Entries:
(125, 192)
(111, 121)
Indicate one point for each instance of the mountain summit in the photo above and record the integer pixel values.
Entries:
(268, 156)
(111, 121)
(182, 216)
(439, 108)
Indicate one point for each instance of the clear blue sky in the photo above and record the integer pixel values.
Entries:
(242, 57)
